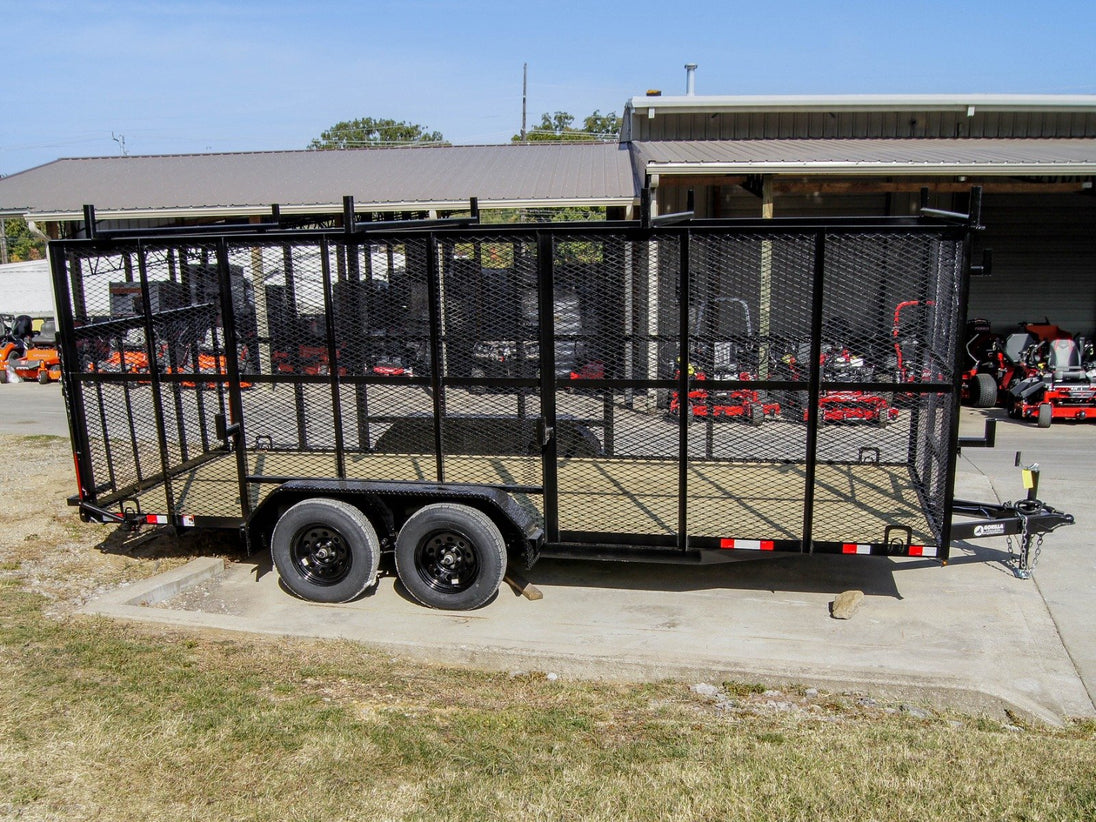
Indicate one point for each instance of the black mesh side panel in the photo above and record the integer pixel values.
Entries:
(616, 318)
(750, 297)
(419, 355)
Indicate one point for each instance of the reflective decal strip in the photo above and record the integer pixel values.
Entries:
(155, 519)
(855, 548)
(922, 550)
(747, 544)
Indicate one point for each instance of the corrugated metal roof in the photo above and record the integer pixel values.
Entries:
(383, 179)
(1050, 157)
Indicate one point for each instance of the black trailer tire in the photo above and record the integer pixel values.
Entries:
(983, 391)
(1046, 414)
(451, 557)
(325, 550)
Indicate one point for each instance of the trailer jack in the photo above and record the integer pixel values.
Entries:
(130, 518)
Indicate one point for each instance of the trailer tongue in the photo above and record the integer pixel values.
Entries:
(473, 458)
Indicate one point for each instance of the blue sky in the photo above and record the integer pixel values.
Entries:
(175, 77)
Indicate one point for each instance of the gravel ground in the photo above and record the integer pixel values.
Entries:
(45, 547)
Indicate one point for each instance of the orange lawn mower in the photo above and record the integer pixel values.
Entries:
(21, 359)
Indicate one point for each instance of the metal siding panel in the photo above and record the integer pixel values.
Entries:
(1044, 262)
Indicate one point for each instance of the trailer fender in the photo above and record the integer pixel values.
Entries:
(388, 505)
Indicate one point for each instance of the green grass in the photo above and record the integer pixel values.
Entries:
(101, 720)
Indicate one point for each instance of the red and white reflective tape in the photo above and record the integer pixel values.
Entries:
(922, 550)
(747, 544)
(855, 548)
(156, 519)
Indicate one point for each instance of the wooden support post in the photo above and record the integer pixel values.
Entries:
(522, 586)
(262, 321)
(765, 309)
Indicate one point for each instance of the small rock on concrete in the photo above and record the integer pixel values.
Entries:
(846, 604)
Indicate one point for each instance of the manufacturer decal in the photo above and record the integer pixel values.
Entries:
(989, 530)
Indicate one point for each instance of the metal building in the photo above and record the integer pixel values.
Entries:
(1034, 156)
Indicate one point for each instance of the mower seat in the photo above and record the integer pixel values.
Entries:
(1064, 361)
(1018, 343)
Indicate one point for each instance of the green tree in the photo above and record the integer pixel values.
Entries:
(558, 127)
(22, 244)
(366, 131)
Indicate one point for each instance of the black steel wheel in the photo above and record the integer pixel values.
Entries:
(325, 550)
(450, 556)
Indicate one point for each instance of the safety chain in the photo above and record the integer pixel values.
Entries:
(1021, 558)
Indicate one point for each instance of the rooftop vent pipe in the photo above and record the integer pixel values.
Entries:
(690, 79)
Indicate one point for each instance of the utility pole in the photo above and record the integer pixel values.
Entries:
(3, 242)
(524, 91)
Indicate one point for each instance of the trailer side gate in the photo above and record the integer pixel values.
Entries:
(680, 392)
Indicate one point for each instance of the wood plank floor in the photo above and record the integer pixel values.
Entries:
(852, 503)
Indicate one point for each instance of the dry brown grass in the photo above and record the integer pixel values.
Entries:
(100, 720)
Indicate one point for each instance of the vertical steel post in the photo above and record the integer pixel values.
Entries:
(291, 340)
(154, 375)
(333, 363)
(232, 366)
(684, 412)
(974, 222)
(547, 427)
(437, 384)
(814, 390)
(70, 383)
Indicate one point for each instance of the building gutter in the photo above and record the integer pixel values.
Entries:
(875, 168)
(225, 212)
(969, 104)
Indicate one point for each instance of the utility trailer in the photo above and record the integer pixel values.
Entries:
(454, 477)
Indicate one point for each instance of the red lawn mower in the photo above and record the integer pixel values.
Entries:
(1061, 384)
(840, 363)
(733, 358)
(998, 364)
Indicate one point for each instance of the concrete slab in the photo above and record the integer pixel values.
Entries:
(969, 636)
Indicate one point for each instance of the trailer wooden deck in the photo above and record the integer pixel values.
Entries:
(852, 502)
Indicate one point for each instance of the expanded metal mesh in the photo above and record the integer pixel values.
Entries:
(682, 387)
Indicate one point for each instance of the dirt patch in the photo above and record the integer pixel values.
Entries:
(50, 551)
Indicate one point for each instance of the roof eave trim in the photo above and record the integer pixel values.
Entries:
(222, 212)
(876, 168)
(686, 104)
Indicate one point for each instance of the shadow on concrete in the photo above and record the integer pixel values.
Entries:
(788, 573)
(874, 576)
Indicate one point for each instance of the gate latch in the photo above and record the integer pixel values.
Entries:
(545, 432)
